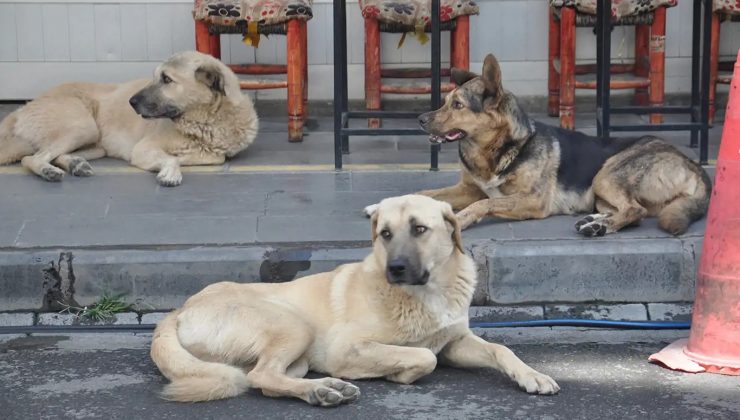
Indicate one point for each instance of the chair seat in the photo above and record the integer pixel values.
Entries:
(265, 12)
(620, 8)
(728, 7)
(415, 12)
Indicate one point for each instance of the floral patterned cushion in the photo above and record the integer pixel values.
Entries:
(731, 7)
(266, 12)
(415, 12)
(620, 8)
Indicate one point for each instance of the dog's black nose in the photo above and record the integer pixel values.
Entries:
(397, 267)
(134, 100)
(425, 118)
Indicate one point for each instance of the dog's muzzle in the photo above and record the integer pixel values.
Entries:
(399, 271)
(452, 135)
(150, 110)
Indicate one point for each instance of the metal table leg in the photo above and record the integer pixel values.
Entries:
(340, 78)
(342, 115)
(698, 110)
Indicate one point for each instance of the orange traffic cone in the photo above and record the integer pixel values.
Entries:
(714, 341)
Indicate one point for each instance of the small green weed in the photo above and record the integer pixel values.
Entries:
(103, 310)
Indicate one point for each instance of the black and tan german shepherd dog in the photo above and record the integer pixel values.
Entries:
(516, 168)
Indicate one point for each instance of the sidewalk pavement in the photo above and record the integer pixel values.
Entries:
(279, 211)
(111, 376)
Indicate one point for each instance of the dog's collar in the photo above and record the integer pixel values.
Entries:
(513, 154)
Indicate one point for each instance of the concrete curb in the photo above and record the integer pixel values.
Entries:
(560, 277)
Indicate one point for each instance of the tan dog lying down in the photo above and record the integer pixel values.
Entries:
(393, 316)
(192, 113)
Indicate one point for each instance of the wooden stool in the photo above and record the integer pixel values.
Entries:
(411, 17)
(723, 10)
(253, 18)
(648, 17)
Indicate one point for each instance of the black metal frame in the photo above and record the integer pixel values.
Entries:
(342, 115)
(699, 107)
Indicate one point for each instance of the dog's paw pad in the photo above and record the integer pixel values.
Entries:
(349, 391)
(537, 383)
(169, 177)
(370, 210)
(52, 174)
(592, 229)
(325, 397)
(81, 168)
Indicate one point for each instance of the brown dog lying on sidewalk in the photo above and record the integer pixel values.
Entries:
(192, 113)
(393, 316)
(516, 168)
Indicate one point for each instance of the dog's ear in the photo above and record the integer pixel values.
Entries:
(211, 76)
(449, 217)
(491, 75)
(460, 76)
(374, 225)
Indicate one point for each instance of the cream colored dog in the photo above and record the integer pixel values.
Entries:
(390, 316)
(192, 113)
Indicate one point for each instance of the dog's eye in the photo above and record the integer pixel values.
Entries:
(385, 233)
(166, 79)
(420, 229)
(457, 105)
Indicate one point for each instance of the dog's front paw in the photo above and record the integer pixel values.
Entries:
(592, 225)
(536, 383)
(169, 177)
(52, 173)
(80, 167)
(370, 210)
(332, 392)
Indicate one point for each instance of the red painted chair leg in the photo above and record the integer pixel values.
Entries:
(567, 67)
(202, 37)
(215, 41)
(642, 61)
(295, 81)
(304, 53)
(553, 77)
(372, 69)
(460, 44)
(713, 66)
(657, 63)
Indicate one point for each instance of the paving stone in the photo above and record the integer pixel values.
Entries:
(670, 311)
(56, 319)
(9, 231)
(126, 318)
(202, 205)
(401, 183)
(505, 313)
(16, 319)
(139, 230)
(153, 317)
(628, 312)
(194, 184)
(311, 228)
(323, 203)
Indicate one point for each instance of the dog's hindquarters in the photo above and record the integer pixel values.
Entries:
(651, 178)
(678, 214)
(12, 149)
(192, 379)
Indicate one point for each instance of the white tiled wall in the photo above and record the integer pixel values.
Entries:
(43, 43)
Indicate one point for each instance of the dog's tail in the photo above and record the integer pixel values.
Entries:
(676, 217)
(192, 379)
